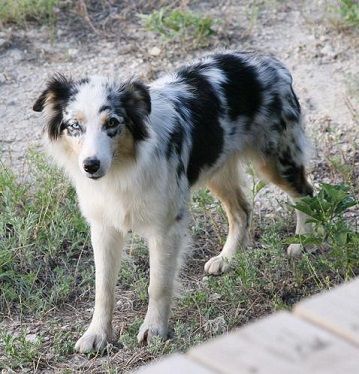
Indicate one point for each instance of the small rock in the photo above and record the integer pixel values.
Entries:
(32, 338)
(328, 50)
(155, 51)
(214, 296)
(205, 279)
(3, 43)
(16, 54)
(72, 52)
(216, 325)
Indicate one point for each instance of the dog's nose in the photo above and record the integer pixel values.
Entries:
(91, 165)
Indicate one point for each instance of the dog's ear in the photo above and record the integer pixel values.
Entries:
(136, 100)
(58, 89)
(40, 102)
(53, 99)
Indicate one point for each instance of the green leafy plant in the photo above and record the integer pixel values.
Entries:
(177, 23)
(326, 212)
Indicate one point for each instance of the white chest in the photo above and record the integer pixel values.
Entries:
(131, 210)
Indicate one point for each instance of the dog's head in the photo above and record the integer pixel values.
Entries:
(93, 116)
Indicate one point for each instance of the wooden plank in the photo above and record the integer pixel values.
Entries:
(336, 310)
(175, 364)
(279, 344)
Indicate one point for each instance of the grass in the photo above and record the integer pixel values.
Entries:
(19, 351)
(349, 12)
(179, 24)
(19, 11)
(46, 274)
(42, 236)
(344, 14)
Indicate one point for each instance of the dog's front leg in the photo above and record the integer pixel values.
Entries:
(107, 244)
(166, 251)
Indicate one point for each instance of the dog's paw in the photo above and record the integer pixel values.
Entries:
(92, 341)
(148, 331)
(294, 250)
(217, 265)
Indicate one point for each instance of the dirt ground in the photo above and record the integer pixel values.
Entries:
(322, 56)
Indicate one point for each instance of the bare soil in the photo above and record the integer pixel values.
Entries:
(322, 55)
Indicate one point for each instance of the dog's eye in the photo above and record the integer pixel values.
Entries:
(113, 122)
(74, 126)
(74, 129)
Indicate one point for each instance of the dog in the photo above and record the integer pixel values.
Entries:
(135, 151)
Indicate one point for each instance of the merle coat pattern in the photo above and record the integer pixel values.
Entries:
(134, 152)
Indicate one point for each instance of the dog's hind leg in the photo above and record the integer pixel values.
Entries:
(228, 185)
(107, 245)
(166, 251)
(289, 174)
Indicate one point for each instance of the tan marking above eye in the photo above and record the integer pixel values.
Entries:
(104, 117)
(80, 117)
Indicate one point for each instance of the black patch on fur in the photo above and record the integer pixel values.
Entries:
(174, 146)
(180, 170)
(113, 132)
(175, 141)
(242, 89)
(296, 101)
(83, 81)
(275, 106)
(179, 216)
(57, 93)
(136, 100)
(294, 174)
(205, 111)
(233, 131)
(104, 107)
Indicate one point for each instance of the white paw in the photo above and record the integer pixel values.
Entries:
(149, 330)
(93, 340)
(217, 265)
(294, 250)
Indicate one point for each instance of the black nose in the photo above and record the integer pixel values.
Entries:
(91, 165)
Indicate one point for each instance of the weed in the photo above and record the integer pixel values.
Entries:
(326, 212)
(18, 11)
(342, 168)
(349, 11)
(179, 24)
(19, 351)
(129, 338)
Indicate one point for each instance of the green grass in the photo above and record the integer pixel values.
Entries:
(349, 12)
(46, 273)
(19, 11)
(179, 24)
(19, 351)
(42, 237)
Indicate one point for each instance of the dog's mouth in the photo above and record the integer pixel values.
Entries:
(94, 177)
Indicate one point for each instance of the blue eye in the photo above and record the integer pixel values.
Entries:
(74, 126)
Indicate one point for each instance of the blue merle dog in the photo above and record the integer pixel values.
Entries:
(135, 151)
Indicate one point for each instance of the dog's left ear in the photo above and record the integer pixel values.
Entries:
(136, 101)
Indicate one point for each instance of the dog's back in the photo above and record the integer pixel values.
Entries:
(230, 102)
